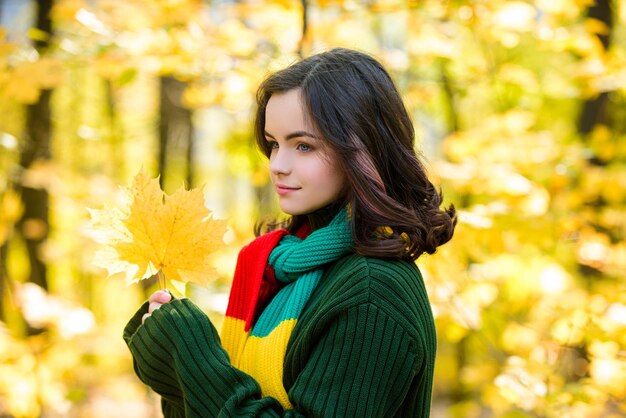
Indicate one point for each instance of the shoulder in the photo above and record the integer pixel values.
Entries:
(375, 273)
(395, 287)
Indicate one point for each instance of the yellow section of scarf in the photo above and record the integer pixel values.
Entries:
(260, 357)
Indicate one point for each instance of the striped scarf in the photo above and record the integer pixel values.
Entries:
(274, 278)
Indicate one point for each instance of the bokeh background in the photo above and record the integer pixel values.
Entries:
(520, 113)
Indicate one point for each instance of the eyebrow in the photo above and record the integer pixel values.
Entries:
(297, 134)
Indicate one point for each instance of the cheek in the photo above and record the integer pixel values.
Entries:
(335, 179)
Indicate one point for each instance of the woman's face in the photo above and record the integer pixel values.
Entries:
(304, 173)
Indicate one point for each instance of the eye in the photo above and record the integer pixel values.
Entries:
(272, 144)
(304, 147)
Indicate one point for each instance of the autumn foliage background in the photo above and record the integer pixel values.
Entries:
(520, 111)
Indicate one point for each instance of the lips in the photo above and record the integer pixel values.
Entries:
(283, 189)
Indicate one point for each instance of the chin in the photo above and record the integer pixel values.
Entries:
(294, 212)
(297, 211)
(303, 212)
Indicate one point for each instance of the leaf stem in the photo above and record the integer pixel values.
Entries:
(161, 279)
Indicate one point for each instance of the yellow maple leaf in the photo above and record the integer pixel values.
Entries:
(174, 235)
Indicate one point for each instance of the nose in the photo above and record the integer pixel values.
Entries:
(280, 163)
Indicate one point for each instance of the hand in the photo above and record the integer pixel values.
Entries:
(157, 299)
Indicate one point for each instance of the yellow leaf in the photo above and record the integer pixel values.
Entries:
(38, 34)
(157, 232)
(240, 40)
(25, 82)
(66, 10)
(516, 16)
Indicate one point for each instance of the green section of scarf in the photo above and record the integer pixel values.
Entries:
(258, 347)
(300, 264)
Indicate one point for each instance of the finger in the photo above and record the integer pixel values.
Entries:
(160, 296)
(163, 296)
(144, 317)
(153, 297)
(154, 306)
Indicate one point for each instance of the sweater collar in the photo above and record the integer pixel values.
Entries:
(322, 217)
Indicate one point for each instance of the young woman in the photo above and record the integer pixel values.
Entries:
(328, 316)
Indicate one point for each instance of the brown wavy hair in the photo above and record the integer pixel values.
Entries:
(356, 108)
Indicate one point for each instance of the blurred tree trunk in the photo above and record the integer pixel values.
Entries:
(33, 225)
(594, 109)
(175, 131)
(594, 112)
(115, 135)
(3, 251)
(305, 27)
(3, 277)
(452, 118)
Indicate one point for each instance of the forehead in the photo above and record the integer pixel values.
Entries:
(286, 111)
(285, 98)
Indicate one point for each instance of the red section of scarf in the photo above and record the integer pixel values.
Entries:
(254, 284)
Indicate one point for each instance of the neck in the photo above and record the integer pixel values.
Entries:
(322, 217)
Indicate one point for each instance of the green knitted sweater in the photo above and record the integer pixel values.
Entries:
(364, 346)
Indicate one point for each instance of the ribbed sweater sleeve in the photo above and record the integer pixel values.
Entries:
(177, 352)
(359, 352)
